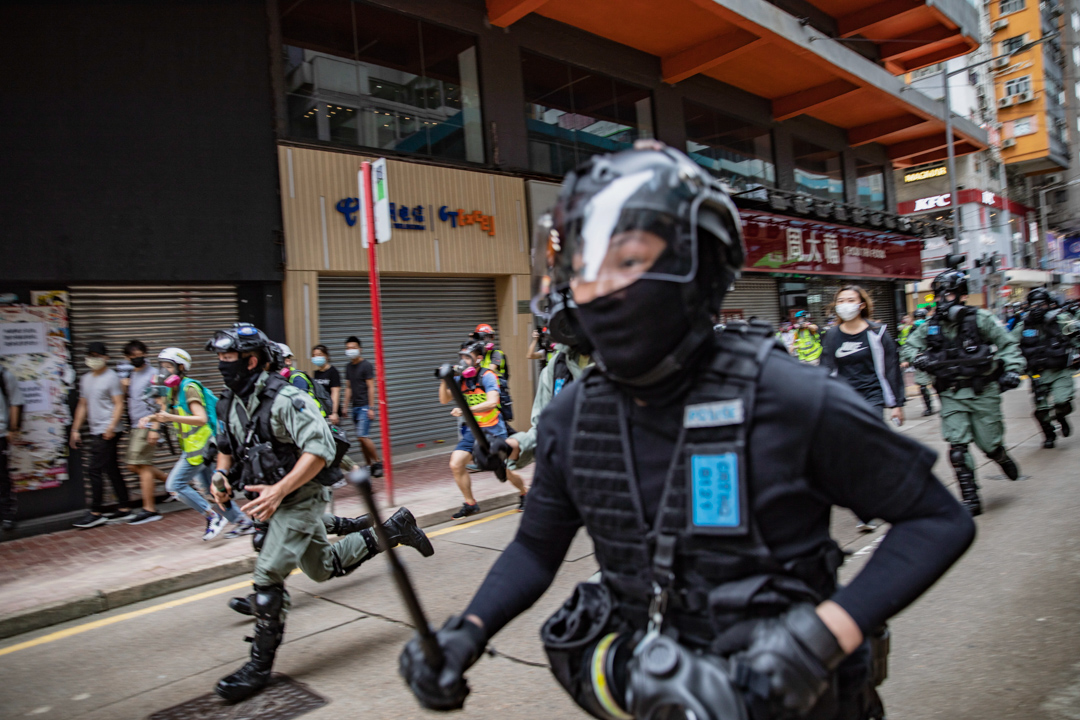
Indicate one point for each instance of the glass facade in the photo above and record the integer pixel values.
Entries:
(361, 75)
(871, 185)
(572, 114)
(737, 152)
(818, 171)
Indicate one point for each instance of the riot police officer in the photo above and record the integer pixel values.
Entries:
(704, 468)
(275, 446)
(972, 359)
(922, 378)
(1048, 336)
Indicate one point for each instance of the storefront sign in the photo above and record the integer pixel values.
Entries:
(926, 174)
(786, 244)
(934, 201)
(381, 201)
(416, 217)
(982, 197)
(20, 338)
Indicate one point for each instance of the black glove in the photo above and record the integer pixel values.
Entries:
(1009, 380)
(494, 459)
(921, 362)
(795, 653)
(462, 642)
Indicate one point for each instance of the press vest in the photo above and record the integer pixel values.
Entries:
(495, 360)
(1043, 346)
(904, 332)
(807, 345)
(962, 360)
(474, 393)
(192, 438)
(719, 569)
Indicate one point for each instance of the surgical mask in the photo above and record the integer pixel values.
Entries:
(95, 363)
(847, 310)
(138, 362)
(318, 361)
(352, 353)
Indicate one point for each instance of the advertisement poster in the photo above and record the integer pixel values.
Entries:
(33, 347)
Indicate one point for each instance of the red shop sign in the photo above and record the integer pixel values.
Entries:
(777, 243)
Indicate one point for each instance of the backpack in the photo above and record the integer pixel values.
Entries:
(209, 402)
(315, 390)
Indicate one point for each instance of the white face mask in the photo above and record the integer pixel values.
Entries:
(95, 363)
(848, 310)
(352, 353)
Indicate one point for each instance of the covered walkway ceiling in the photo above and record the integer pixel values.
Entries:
(757, 47)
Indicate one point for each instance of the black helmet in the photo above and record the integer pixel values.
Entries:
(920, 314)
(241, 338)
(1039, 295)
(950, 281)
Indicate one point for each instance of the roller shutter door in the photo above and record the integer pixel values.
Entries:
(424, 322)
(159, 315)
(754, 297)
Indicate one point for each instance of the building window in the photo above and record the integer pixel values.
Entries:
(818, 171)
(870, 185)
(1023, 126)
(1011, 45)
(1016, 86)
(737, 152)
(572, 114)
(361, 75)
(1010, 6)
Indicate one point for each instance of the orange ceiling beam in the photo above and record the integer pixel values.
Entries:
(930, 56)
(860, 20)
(708, 54)
(920, 146)
(504, 13)
(870, 132)
(803, 101)
(915, 43)
(960, 148)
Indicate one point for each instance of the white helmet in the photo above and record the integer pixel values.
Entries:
(285, 351)
(177, 356)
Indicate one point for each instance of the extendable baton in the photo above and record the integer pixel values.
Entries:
(446, 374)
(433, 654)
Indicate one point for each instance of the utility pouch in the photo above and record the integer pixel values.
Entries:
(341, 445)
(262, 466)
(879, 655)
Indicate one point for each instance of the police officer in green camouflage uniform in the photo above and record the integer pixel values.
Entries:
(275, 446)
(972, 359)
(1047, 337)
(922, 379)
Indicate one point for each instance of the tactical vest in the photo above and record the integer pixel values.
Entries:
(705, 543)
(474, 393)
(1044, 347)
(966, 360)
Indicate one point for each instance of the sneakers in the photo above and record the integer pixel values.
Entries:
(472, 467)
(8, 526)
(521, 502)
(90, 520)
(143, 517)
(215, 524)
(120, 516)
(244, 527)
(376, 469)
(466, 510)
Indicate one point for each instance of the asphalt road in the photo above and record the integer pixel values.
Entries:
(998, 637)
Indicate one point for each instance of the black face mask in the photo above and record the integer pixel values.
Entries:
(138, 362)
(634, 329)
(236, 375)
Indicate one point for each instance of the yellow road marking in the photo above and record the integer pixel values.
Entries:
(104, 622)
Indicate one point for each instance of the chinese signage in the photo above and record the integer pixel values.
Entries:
(20, 338)
(776, 243)
(926, 174)
(419, 217)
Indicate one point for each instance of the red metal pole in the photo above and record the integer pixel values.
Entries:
(376, 327)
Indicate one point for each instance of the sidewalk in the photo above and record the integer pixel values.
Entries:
(47, 579)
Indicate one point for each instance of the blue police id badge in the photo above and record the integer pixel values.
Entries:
(1030, 333)
(932, 330)
(716, 502)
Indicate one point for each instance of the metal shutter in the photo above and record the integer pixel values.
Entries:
(425, 321)
(755, 297)
(159, 315)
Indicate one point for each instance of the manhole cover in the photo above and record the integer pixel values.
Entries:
(282, 699)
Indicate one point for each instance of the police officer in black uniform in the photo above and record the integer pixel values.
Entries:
(704, 468)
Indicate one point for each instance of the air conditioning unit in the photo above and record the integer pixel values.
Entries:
(999, 25)
(1024, 97)
(1000, 62)
(1008, 143)
(1005, 102)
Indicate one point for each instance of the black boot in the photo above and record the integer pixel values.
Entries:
(243, 605)
(969, 490)
(347, 526)
(269, 606)
(402, 529)
(925, 392)
(1005, 462)
(1043, 418)
(1060, 411)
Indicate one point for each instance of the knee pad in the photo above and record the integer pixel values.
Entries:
(1064, 408)
(258, 538)
(269, 602)
(958, 455)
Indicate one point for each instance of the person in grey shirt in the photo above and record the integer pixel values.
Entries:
(101, 403)
(143, 440)
(11, 405)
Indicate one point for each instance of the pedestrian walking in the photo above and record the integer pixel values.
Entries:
(276, 448)
(142, 440)
(359, 395)
(973, 359)
(191, 408)
(705, 483)
(11, 407)
(101, 405)
(329, 378)
(1049, 338)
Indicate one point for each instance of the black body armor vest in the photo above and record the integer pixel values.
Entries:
(704, 546)
(966, 360)
(1044, 347)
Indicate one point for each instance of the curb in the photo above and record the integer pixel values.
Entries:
(110, 599)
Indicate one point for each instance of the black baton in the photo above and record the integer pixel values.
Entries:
(433, 654)
(446, 374)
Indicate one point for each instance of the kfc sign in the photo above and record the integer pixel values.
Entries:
(934, 201)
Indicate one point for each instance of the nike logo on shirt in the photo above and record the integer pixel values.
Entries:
(849, 348)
